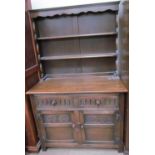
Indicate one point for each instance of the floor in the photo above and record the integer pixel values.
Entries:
(77, 152)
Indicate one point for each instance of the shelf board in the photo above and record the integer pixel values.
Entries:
(66, 75)
(79, 56)
(77, 35)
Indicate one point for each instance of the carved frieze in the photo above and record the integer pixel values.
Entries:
(77, 101)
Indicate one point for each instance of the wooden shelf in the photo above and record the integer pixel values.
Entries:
(69, 75)
(78, 35)
(79, 56)
(88, 84)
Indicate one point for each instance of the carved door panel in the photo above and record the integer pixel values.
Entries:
(59, 127)
(100, 127)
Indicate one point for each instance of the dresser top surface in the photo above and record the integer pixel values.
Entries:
(94, 84)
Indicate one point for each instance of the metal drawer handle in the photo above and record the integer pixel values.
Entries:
(53, 102)
(98, 102)
(73, 125)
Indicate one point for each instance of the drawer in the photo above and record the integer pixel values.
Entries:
(79, 101)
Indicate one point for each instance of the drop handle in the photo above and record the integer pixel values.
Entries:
(82, 126)
(53, 102)
(98, 102)
(73, 125)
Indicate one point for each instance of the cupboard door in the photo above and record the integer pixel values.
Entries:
(58, 127)
(100, 127)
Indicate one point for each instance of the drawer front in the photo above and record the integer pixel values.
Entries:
(70, 102)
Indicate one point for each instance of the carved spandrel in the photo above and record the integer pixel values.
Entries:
(57, 118)
(99, 119)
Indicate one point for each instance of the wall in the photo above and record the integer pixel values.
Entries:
(38, 4)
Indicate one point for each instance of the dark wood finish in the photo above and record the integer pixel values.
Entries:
(80, 100)
(77, 102)
(80, 9)
(81, 56)
(126, 127)
(123, 43)
(74, 34)
(94, 45)
(30, 56)
(73, 75)
(79, 66)
(71, 145)
(31, 70)
(77, 36)
(80, 120)
(32, 143)
(124, 62)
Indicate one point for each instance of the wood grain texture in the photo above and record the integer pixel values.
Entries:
(32, 143)
(123, 20)
(80, 100)
(71, 102)
(29, 54)
(77, 36)
(87, 65)
(78, 130)
(74, 145)
(31, 70)
(81, 56)
(123, 43)
(78, 85)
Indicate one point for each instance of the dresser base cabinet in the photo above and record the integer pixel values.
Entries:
(79, 120)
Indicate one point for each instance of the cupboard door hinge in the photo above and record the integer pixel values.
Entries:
(118, 117)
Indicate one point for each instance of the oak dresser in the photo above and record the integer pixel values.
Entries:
(79, 101)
